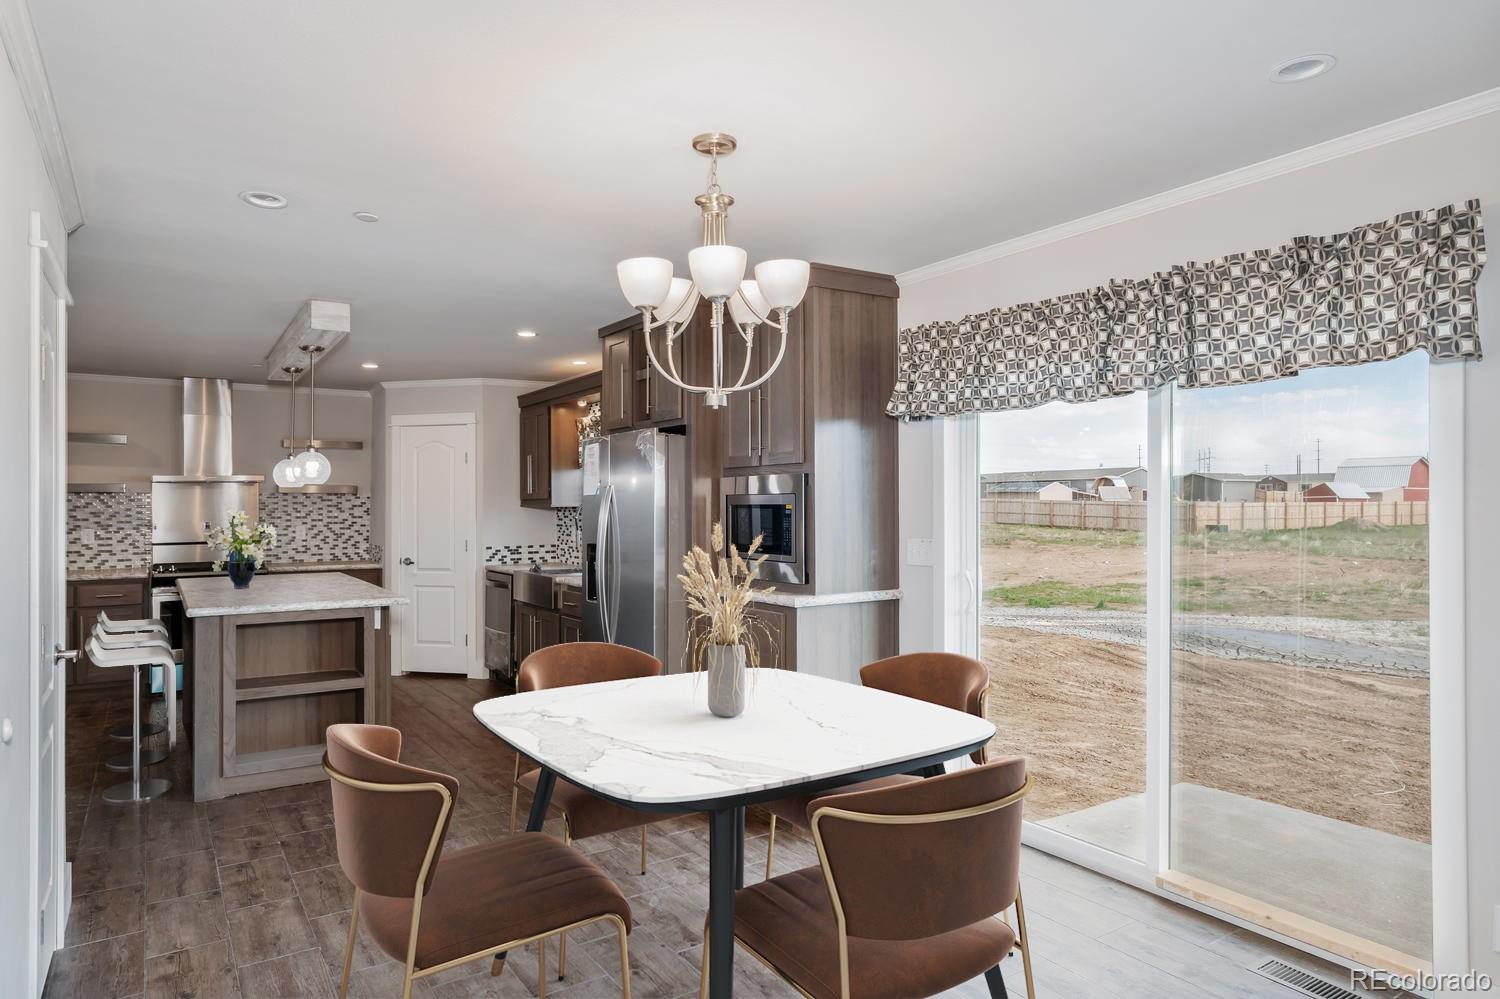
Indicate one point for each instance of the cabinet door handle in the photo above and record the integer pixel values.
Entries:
(765, 418)
(108, 596)
(530, 474)
(750, 425)
(623, 403)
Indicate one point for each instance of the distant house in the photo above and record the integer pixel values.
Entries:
(1058, 492)
(1335, 492)
(1218, 487)
(1409, 473)
(1081, 479)
(1115, 494)
(1270, 487)
(1301, 482)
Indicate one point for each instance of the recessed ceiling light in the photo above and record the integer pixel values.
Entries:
(525, 334)
(369, 364)
(367, 216)
(579, 364)
(1303, 67)
(583, 402)
(262, 199)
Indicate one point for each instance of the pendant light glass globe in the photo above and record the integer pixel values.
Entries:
(312, 468)
(285, 473)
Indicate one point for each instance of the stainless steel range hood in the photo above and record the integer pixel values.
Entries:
(185, 506)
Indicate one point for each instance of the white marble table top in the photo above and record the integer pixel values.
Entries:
(215, 596)
(653, 741)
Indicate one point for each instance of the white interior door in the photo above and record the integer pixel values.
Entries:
(434, 554)
(49, 622)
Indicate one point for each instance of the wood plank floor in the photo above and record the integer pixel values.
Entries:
(244, 897)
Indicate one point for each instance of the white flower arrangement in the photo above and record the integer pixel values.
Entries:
(236, 537)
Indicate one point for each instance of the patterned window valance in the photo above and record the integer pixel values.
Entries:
(1371, 294)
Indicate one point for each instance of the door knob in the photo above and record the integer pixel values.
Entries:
(59, 654)
(408, 560)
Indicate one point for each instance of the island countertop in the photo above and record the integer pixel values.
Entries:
(215, 596)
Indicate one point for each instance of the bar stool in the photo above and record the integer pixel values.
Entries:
(124, 731)
(136, 789)
(144, 641)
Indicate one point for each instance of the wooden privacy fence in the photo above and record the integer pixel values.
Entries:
(1199, 516)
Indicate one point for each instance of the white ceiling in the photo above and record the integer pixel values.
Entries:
(515, 151)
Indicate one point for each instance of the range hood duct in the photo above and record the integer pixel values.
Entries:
(207, 434)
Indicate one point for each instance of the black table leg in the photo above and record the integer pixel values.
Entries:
(541, 800)
(739, 847)
(725, 847)
(996, 982)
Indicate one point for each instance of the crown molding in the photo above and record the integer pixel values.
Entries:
(1473, 106)
(285, 386)
(18, 37)
(463, 383)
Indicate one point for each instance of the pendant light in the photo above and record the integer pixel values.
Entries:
(286, 474)
(312, 468)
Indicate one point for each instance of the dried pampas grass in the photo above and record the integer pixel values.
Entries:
(718, 594)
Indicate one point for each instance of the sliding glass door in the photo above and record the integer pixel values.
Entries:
(1062, 571)
(1216, 662)
(1300, 777)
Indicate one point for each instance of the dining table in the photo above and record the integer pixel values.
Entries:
(651, 743)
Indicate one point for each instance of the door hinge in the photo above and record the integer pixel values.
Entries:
(466, 641)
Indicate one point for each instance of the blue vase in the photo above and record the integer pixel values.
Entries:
(241, 570)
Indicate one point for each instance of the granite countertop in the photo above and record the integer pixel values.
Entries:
(215, 596)
(824, 599)
(115, 572)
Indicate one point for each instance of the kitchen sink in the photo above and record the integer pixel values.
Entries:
(556, 570)
(537, 586)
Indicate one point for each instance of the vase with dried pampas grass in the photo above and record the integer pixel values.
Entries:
(725, 641)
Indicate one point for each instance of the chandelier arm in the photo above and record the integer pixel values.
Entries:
(780, 352)
(693, 295)
(745, 368)
(671, 360)
(670, 376)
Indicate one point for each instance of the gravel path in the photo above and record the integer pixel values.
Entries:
(1396, 648)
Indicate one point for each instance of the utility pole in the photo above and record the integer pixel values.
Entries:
(1317, 454)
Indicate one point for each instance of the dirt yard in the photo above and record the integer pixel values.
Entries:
(1279, 733)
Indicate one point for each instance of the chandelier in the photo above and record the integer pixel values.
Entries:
(718, 271)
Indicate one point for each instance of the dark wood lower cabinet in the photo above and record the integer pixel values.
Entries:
(775, 633)
(121, 600)
(537, 627)
(572, 629)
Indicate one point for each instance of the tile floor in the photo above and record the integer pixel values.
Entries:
(243, 897)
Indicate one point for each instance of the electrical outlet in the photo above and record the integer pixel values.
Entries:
(919, 551)
(87, 535)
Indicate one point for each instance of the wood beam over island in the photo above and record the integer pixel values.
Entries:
(270, 667)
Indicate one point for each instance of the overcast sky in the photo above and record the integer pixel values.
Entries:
(1367, 411)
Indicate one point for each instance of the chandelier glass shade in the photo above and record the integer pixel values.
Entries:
(311, 467)
(718, 275)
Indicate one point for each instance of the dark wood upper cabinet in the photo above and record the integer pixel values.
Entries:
(536, 454)
(617, 388)
(742, 415)
(664, 402)
(766, 425)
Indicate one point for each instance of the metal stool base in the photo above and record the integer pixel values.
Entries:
(122, 763)
(125, 793)
(125, 733)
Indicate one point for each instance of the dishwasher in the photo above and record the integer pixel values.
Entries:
(498, 657)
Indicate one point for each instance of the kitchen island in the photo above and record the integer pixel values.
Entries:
(270, 667)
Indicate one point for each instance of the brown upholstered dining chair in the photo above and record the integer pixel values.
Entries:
(910, 894)
(434, 910)
(583, 813)
(943, 678)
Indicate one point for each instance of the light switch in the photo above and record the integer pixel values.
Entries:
(86, 535)
(919, 551)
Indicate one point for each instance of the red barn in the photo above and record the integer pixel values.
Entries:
(1409, 473)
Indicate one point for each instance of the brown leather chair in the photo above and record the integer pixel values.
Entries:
(944, 678)
(911, 892)
(584, 813)
(435, 911)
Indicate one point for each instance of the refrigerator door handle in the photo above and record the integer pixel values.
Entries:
(602, 533)
(612, 613)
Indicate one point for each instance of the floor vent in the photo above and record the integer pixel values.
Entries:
(1304, 982)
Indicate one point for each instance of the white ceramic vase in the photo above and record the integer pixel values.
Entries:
(727, 680)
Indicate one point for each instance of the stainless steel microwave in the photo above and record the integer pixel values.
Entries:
(774, 507)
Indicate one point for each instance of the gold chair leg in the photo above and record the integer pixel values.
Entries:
(1025, 943)
(497, 967)
(624, 958)
(349, 947)
(703, 966)
(562, 938)
(643, 849)
(770, 847)
(541, 968)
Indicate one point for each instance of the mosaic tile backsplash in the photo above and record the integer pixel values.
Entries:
(121, 526)
(332, 527)
(567, 548)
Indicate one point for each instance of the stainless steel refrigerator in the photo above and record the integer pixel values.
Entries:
(634, 535)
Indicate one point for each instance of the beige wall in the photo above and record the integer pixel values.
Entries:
(1449, 164)
(149, 412)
